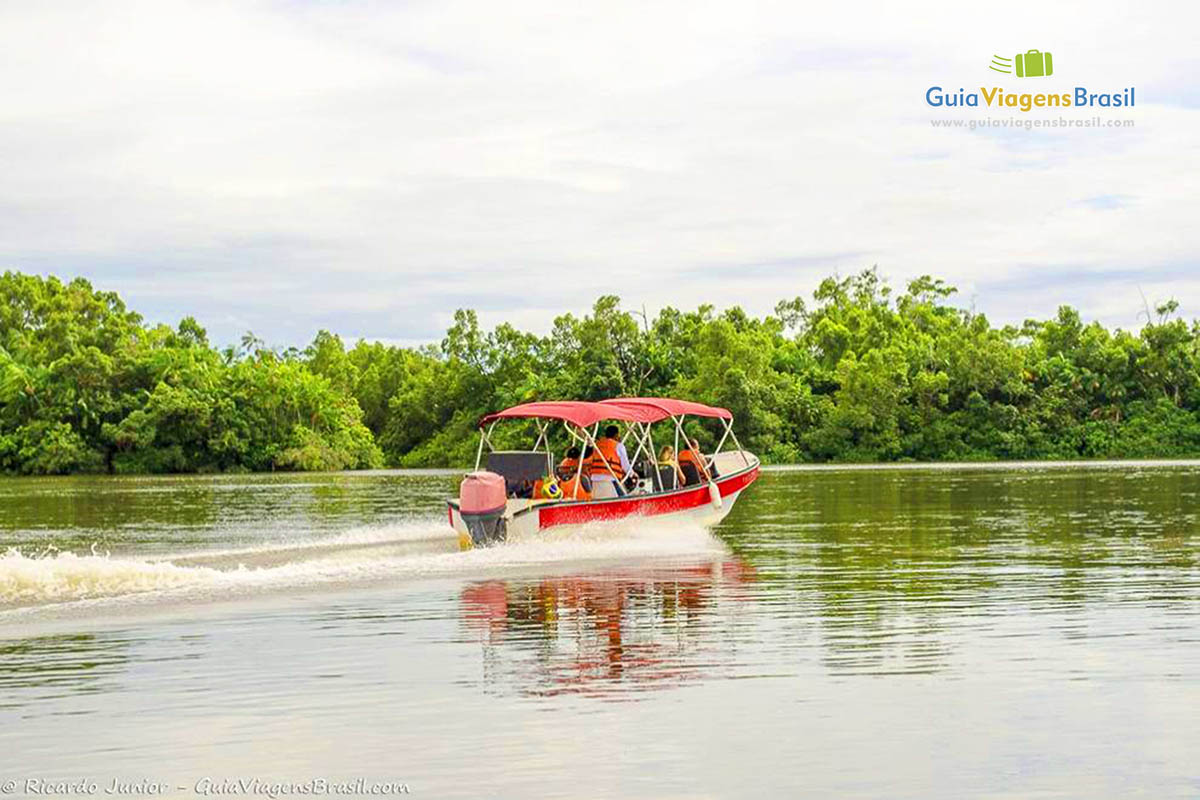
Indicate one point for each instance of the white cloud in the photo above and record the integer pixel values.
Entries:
(369, 167)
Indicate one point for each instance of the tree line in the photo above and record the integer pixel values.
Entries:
(860, 372)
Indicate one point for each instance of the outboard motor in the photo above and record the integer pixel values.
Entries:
(481, 502)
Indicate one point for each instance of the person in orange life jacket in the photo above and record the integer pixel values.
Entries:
(569, 465)
(547, 488)
(569, 474)
(692, 455)
(609, 459)
(568, 486)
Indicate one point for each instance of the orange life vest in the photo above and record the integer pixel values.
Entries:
(689, 456)
(568, 465)
(606, 451)
(568, 489)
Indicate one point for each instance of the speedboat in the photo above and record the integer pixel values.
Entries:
(494, 502)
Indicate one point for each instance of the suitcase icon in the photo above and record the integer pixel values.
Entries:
(1034, 64)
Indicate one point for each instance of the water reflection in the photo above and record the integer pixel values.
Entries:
(874, 573)
(48, 667)
(606, 633)
(902, 571)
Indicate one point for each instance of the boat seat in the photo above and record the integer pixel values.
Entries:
(691, 475)
(665, 480)
(519, 467)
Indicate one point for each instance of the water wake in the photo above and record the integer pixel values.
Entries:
(424, 548)
(55, 576)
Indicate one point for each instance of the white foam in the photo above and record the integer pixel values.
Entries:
(55, 577)
(356, 555)
(416, 530)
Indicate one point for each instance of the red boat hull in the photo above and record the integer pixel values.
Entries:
(652, 505)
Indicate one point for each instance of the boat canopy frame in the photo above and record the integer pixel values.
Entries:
(640, 413)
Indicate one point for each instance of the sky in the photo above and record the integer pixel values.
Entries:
(369, 167)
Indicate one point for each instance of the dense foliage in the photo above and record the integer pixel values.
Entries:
(85, 386)
(860, 373)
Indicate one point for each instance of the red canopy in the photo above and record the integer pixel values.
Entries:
(576, 412)
(663, 407)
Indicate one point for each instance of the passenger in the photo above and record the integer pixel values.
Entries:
(570, 475)
(692, 455)
(575, 488)
(547, 488)
(666, 458)
(609, 460)
(570, 464)
(561, 488)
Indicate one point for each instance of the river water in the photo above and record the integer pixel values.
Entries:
(951, 631)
